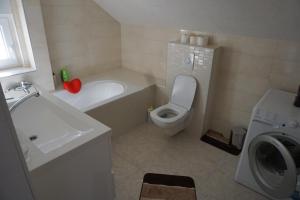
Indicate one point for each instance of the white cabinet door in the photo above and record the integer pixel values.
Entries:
(14, 181)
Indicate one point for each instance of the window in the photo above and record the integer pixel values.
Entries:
(16, 54)
(10, 55)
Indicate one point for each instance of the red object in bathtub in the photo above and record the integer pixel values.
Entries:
(73, 86)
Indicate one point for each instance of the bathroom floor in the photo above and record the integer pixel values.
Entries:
(146, 149)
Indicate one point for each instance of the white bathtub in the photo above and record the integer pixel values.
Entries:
(93, 94)
(110, 96)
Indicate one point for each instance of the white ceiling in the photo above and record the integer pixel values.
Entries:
(261, 18)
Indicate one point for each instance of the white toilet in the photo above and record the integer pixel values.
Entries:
(173, 116)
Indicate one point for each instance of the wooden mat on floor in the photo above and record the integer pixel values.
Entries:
(167, 187)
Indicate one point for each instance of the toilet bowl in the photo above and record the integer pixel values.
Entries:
(173, 115)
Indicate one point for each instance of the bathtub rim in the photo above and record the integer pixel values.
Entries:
(93, 106)
(128, 89)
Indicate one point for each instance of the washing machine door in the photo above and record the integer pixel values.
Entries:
(274, 161)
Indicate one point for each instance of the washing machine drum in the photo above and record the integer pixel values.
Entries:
(274, 160)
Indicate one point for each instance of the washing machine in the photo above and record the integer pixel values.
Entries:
(270, 159)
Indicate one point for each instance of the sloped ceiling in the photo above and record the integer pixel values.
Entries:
(278, 19)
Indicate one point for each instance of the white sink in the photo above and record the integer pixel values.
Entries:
(51, 128)
(47, 125)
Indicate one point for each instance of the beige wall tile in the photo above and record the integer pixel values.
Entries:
(246, 45)
(254, 66)
(257, 46)
(156, 48)
(286, 68)
(287, 50)
(253, 85)
(65, 50)
(131, 31)
(63, 33)
(156, 34)
(236, 100)
(63, 14)
(284, 82)
(81, 36)
(228, 64)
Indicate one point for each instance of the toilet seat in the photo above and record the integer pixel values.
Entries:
(178, 113)
(183, 91)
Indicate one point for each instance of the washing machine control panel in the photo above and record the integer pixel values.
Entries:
(275, 120)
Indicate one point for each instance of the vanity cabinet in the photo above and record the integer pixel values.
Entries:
(81, 174)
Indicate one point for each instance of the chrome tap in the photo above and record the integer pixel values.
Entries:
(23, 85)
(23, 99)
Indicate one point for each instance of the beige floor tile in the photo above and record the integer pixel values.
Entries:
(129, 187)
(145, 149)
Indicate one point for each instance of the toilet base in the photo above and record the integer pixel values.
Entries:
(175, 128)
(171, 131)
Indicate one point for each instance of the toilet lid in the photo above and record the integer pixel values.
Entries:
(183, 92)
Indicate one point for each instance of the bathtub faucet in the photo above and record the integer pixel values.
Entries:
(23, 99)
(23, 85)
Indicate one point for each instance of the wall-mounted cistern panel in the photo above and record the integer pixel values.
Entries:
(198, 62)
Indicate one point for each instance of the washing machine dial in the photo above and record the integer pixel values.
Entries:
(293, 124)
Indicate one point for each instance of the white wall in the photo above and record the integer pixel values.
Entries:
(43, 75)
(275, 19)
(4, 6)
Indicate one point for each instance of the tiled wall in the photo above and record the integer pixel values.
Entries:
(81, 36)
(247, 68)
(43, 74)
(144, 49)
